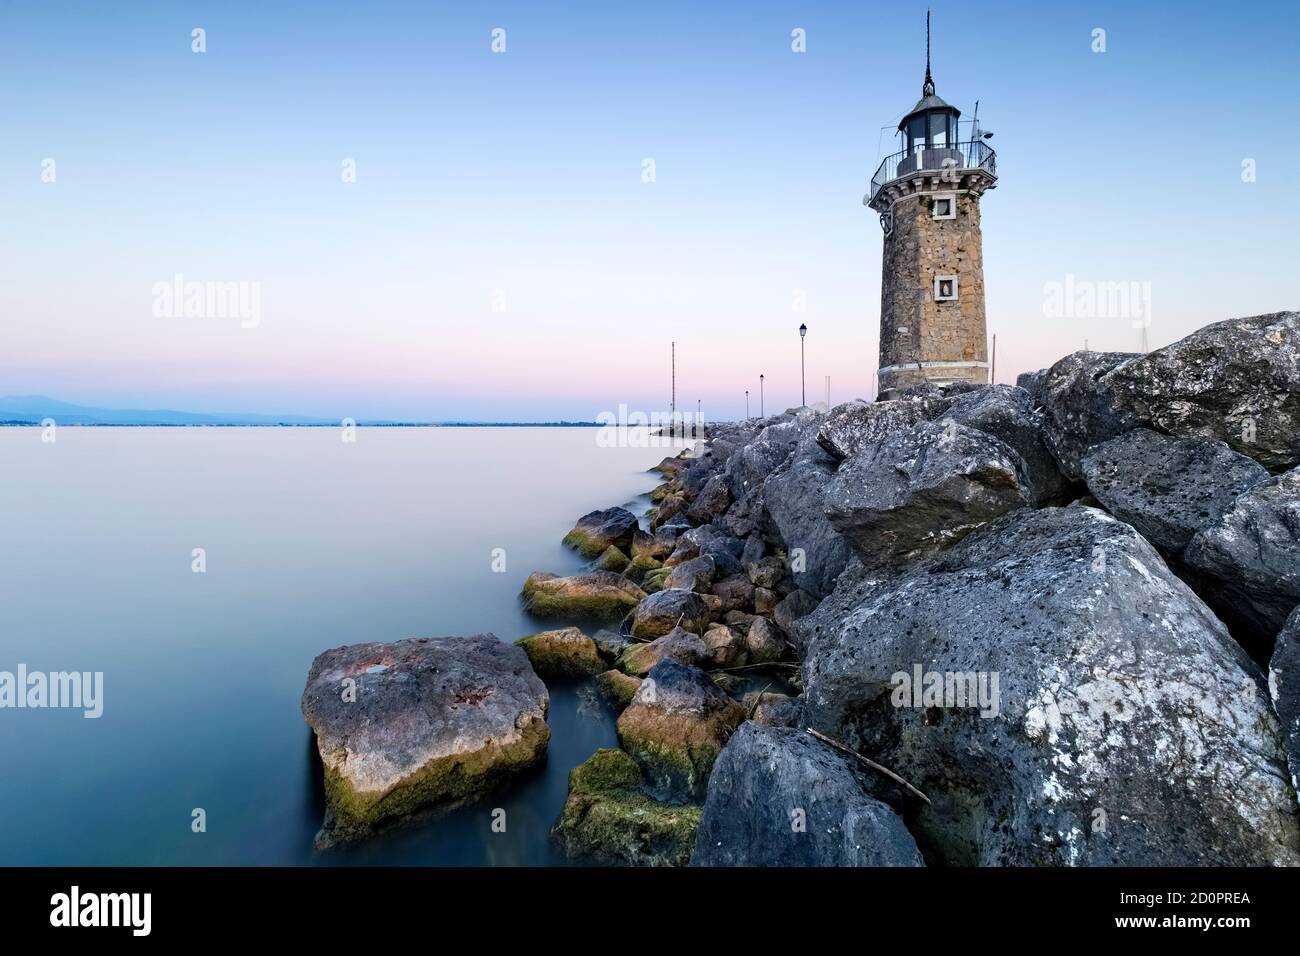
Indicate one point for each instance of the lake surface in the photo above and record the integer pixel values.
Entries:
(310, 543)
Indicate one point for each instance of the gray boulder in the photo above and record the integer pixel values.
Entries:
(923, 489)
(1032, 383)
(1168, 488)
(1078, 410)
(419, 725)
(664, 610)
(1251, 555)
(794, 495)
(857, 424)
(1007, 413)
(1126, 726)
(1237, 381)
(778, 797)
(679, 644)
(693, 575)
(1284, 687)
(599, 530)
(712, 501)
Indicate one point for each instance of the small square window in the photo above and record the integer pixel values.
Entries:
(944, 206)
(945, 288)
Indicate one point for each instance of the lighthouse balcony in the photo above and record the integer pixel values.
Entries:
(962, 165)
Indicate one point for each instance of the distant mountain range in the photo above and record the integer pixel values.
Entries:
(34, 409)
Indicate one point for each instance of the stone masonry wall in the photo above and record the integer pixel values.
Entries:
(913, 326)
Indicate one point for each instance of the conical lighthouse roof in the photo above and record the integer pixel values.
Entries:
(928, 102)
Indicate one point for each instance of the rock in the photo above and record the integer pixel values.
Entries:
(857, 424)
(654, 580)
(675, 728)
(726, 647)
(1078, 410)
(639, 567)
(792, 607)
(598, 530)
(610, 644)
(766, 776)
(664, 610)
(1033, 383)
(693, 575)
(1284, 687)
(738, 619)
(678, 644)
(566, 652)
(598, 595)
(1252, 555)
(752, 552)
(618, 688)
(607, 819)
(750, 466)
(773, 709)
(714, 498)
(1007, 413)
(922, 490)
(669, 467)
(765, 642)
(656, 546)
(736, 592)
(1117, 689)
(611, 559)
(765, 601)
(421, 724)
(766, 572)
(1168, 488)
(795, 500)
(1237, 381)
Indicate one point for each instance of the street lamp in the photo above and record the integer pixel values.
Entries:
(803, 389)
(760, 395)
(746, 404)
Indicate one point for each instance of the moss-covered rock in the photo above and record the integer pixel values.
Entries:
(681, 645)
(598, 530)
(618, 688)
(654, 580)
(599, 595)
(611, 559)
(566, 652)
(419, 726)
(608, 819)
(641, 566)
(672, 607)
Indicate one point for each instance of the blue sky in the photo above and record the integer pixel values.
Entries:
(516, 178)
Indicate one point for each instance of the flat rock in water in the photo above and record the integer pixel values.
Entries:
(1168, 488)
(777, 797)
(599, 530)
(566, 652)
(597, 595)
(420, 724)
(1237, 381)
(1116, 689)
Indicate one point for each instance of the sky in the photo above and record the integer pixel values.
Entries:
(500, 254)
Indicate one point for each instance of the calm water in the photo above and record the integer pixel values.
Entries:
(311, 543)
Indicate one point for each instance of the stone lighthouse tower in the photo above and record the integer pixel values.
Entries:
(932, 281)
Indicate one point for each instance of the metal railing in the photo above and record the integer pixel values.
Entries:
(975, 154)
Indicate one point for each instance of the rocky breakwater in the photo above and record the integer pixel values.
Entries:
(420, 725)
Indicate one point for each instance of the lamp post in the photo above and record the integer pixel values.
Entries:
(746, 404)
(760, 395)
(803, 387)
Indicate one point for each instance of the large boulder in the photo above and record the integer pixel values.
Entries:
(608, 819)
(749, 467)
(857, 424)
(923, 489)
(1032, 383)
(599, 530)
(566, 652)
(795, 499)
(679, 644)
(712, 501)
(777, 797)
(1168, 488)
(664, 610)
(421, 724)
(676, 726)
(1078, 410)
(599, 595)
(1089, 710)
(1284, 687)
(695, 574)
(1007, 413)
(1237, 381)
(1251, 555)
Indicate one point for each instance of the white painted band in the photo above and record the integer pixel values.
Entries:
(914, 366)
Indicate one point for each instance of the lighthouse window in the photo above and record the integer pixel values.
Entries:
(945, 288)
(944, 206)
(938, 130)
(916, 134)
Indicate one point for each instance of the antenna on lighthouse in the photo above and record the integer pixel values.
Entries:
(673, 399)
(928, 88)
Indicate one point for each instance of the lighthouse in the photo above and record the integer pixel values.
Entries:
(927, 194)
